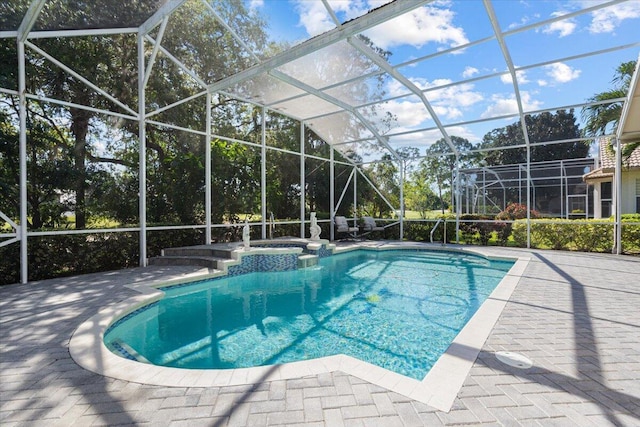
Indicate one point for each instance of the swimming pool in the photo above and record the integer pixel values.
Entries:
(397, 309)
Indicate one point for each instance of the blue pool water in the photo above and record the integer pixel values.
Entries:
(396, 309)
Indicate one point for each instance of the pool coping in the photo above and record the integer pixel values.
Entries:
(438, 389)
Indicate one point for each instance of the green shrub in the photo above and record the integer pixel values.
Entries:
(631, 233)
(554, 233)
(591, 237)
(474, 228)
(10, 264)
(512, 212)
(420, 231)
(586, 235)
(519, 233)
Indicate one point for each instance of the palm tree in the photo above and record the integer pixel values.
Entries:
(600, 116)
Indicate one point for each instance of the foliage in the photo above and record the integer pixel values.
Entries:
(83, 165)
(541, 127)
(474, 227)
(587, 235)
(512, 212)
(420, 231)
(49, 166)
(436, 168)
(385, 175)
(420, 197)
(603, 118)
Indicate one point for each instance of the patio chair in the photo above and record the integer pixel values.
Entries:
(370, 225)
(342, 226)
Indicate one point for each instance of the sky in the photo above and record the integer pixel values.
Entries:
(553, 72)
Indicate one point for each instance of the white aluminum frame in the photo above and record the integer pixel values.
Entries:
(343, 31)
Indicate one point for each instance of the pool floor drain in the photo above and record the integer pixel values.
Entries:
(514, 359)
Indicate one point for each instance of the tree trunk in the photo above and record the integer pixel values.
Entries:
(440, 195)
(80, 128)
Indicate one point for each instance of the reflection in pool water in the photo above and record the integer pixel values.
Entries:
(397, 309)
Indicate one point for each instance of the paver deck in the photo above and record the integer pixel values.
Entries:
(576, 315)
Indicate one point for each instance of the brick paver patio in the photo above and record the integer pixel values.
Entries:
(576, 315)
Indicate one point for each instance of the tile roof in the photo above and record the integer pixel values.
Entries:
(597, 175)
(608, 159)
(608, 164)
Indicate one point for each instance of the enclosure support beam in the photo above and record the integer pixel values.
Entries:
(23, 31)
(355, 197)
(458, 204)
(207, 174)
(402, 165)
(303, 181)
(617, 238)
(29, 19)
(22, 87)
(332, 195)
(263, 172)
(167, 9)
(564, 194)
(344, 190)
(512, 71)
(315, 44)
(382, 196)
(142, 154)
(156, 48)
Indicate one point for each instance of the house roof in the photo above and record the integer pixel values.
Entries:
(608, 158)
(608, 164)
(629, 128)
(597, 175)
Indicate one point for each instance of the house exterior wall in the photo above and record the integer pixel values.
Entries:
(629, 195)
(597, 204)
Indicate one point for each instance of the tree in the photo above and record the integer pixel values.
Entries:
(540, 128)
(385, 175)
(175, 169)
(603, 118)
(420, 197)
(437, 167)
(49, 167)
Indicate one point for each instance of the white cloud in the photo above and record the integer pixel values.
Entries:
(542, 82)
(448, 103)
(447, 111)
(524, 21)
(432, 23)
(463, 132)
(461, 95)
(424, 139)
(409, 114)
(561, 72)
(563, 28)
(520, 75)
(353, 8)
(502, 106)
(469, 72)
(256, 4)
(314, 17)
(417, 28)
(606, 20)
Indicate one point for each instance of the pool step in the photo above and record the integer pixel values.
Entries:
(209, 262)
(202, 255)
(198, 251)
(212, 257)
(306, 260)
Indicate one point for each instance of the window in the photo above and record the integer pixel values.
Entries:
(605, 199)
(637, 195)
